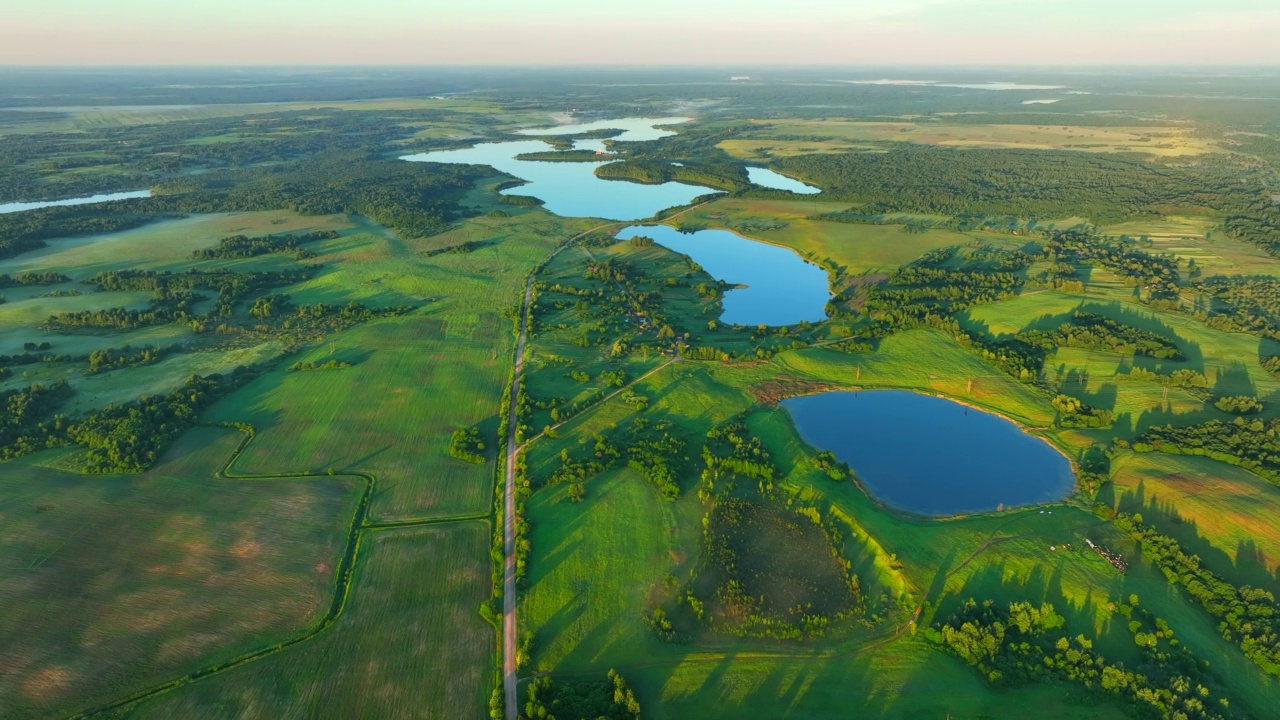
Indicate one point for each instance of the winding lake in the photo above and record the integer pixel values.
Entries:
(106, 197)
(782, 288)
(764, 177)
(930, 455)
(571, 189)
(633, 129)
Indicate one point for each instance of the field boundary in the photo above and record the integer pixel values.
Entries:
(345, 571)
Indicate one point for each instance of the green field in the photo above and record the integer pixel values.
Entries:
(410, 643)
(1226, 513)
(1158, 141)
(113, 583)
(318, 539)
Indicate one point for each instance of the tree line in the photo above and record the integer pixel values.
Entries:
(243, 246)
(1020, 643)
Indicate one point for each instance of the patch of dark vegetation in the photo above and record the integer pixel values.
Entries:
(772, 572)
(116, 358)
(242, 246)
(33, 278)
(563, 156)
(467, 444)
(607, 698)
(1095, 332)
(326, 365)
(125, 438)
(1155, 276)
(652, 448)
(1043, 184)
(1243, 304)
(1270, 363)
(1074, 413)
(28, 423)
(26, 231)
(1238, 404)
(459, 249)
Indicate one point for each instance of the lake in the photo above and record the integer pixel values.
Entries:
(782, 288)
(633, 129)
(106, 197)
(571, 189)
(764, 177)
(930, 455)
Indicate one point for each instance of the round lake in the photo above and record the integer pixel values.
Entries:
(930, 455)
(781, 288)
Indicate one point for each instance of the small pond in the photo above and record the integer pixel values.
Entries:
(782, 288)
(764, 177)
(571, 189)
(106, 197)
(930, 455)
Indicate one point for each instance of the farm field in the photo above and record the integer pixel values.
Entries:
(411, 614)
(436, 370)
(1224, 512)
(116, 582)
(1158, 141)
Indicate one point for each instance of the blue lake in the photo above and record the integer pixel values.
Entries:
(764, 177)
(571, 189)
(932, 456)
(782, 288)
(633, 129)
(106, 197)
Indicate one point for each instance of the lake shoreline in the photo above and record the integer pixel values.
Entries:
(1026, 430)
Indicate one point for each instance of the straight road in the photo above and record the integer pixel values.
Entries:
(510, 681)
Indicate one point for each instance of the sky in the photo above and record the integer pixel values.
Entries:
(649, 32)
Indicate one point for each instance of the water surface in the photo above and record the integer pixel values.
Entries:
(996, 85)
(571, 189)
(764, 177)
(782, 288)
(105, 197)
(929, 455)
(633, 129)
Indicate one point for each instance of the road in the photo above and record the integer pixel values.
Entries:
(510, 681)
(509, 523)
(509, 678)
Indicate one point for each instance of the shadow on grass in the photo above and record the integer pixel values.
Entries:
(1247, 568)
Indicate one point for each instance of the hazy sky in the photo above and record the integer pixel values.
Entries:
(651, 32)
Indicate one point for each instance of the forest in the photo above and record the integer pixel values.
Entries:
(1027, 183)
